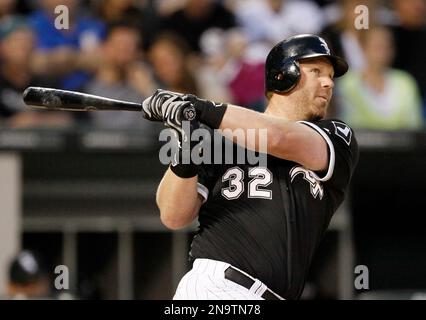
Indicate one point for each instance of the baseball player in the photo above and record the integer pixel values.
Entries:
(259, 226)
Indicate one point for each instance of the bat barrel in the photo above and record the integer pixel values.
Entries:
(55, 99)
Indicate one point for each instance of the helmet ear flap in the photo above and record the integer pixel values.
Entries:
(290, 75)
(286, 78)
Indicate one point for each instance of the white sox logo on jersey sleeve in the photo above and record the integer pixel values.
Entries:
(316, 187)
(343, 131)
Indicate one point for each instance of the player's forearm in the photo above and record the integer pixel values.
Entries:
(178, 200)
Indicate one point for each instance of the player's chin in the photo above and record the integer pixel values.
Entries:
(320, 110)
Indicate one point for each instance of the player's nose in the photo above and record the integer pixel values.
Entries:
(327, 82)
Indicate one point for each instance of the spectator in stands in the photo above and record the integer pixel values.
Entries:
(377, 96)
(274, 20)
(122, 75)
(410, 40)
(112, 11)
(7, 8)
(16, 49)
(195, 18)
(168, 7)
(343, 35)
(169, 56)
(232, 69)
(27, 278)
(143, 14)
(215, 66)
(246, 83)
(66, 53)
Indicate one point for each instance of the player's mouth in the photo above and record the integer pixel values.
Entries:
(324, 98)
(324, 94)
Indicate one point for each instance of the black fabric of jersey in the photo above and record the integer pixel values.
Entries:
(270, 224)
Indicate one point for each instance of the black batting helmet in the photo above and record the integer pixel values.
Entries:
(282, 70)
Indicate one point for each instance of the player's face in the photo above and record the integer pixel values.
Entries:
(315, 89)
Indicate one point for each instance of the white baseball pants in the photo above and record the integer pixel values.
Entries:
(206, 281)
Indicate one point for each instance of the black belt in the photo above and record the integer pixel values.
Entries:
(240, 278)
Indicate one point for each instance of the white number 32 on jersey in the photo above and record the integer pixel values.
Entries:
(261, 177)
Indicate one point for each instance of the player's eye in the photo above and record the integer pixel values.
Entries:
(316, 71)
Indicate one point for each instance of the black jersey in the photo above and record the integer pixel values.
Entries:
(269, 220)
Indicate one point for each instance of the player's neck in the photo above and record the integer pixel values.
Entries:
(279, 106)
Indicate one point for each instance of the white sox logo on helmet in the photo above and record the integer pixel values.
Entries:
(324, 44)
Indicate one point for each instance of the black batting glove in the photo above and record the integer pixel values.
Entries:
(208, 112)
(152, 107)
(169, 107)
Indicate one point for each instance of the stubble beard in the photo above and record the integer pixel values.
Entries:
(308, 109)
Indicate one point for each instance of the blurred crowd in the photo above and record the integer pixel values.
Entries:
(125, 49)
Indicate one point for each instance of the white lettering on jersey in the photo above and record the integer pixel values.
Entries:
(315, 185)
(343, 131)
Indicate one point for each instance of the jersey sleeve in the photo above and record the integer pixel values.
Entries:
(342, 151)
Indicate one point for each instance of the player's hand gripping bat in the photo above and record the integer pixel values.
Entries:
(55, 99)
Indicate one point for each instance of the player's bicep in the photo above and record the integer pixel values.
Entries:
(304, 145)
(342, 149)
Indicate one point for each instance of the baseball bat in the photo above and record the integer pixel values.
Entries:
(55, 99)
